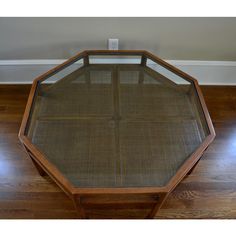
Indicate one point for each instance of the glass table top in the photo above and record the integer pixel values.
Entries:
(117, 125)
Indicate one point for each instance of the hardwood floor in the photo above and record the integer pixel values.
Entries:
(208, 192)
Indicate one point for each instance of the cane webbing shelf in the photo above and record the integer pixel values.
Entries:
(116, 128)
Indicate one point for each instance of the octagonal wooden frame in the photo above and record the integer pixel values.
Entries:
(115, 196)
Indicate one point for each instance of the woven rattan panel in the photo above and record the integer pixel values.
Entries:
(117, 126)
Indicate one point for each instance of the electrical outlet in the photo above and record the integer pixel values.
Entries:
(113, 44)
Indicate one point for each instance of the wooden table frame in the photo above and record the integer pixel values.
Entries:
(115, 196)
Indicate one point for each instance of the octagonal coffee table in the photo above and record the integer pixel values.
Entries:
(116, 130)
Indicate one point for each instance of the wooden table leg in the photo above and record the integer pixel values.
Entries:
(161, 200)
(78, 207)
(38, 167)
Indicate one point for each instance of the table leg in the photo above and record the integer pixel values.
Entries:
(78, 207)
(161, 200)
(38, 167)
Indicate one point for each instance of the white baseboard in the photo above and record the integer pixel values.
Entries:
(206, 72)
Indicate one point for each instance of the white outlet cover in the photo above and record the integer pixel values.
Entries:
(113, 44)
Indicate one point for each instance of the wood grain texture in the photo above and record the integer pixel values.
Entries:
(208, 192)
(23, 192)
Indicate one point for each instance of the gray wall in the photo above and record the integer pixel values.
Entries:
(170, 38)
